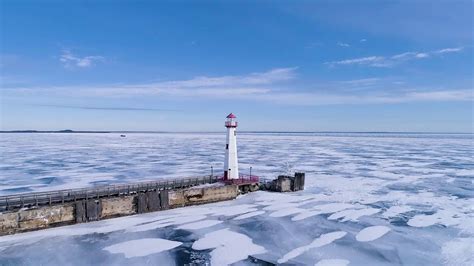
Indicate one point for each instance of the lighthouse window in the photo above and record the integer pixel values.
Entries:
(227, 146)
(235, 133)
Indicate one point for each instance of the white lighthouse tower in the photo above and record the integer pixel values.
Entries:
(231, 165)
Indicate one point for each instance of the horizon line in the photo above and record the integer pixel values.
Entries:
(244, 131)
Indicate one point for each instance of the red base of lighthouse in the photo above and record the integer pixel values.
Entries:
(243, 179)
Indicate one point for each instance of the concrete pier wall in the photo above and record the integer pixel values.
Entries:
(108, 207)
(193, 196)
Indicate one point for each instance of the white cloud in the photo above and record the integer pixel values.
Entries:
(70, 60)
(214, 87)
(269, 86)
(362, 40)
(370, 60)
(449, 50)
(342, 44)
(314, 99)
(388, 61)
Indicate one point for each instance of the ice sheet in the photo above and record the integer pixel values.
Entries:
(419, 186)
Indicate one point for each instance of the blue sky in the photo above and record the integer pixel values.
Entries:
(284, 66)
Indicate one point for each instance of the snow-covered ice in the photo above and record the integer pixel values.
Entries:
(228, 246)
(332, 262)
(323, 240)
(371, 233)
(407, 197)
(199, 225)
(142, 247)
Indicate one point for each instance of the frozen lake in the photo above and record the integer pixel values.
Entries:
(370, 199)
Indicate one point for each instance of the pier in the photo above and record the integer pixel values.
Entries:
(37, 199)
(39, 210)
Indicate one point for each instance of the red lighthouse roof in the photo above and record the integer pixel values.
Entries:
(231, 115)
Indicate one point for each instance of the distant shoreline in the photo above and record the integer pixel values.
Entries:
(68, 131)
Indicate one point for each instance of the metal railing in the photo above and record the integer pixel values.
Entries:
(16, 201)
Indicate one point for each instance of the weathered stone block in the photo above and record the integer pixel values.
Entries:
(8, 222)
(45, 216)
(176, 198)
(117, 206)
(193, 194)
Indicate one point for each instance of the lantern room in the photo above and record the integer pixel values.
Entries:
(231, 121)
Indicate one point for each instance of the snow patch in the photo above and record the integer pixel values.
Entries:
(322, 240)
(332, 262)
(229, 247)
(249, 215)
(353, 215)
(371, 233)
(396, 210)
(286, 212)
(443, 217)
(142, 247)
(199, 225)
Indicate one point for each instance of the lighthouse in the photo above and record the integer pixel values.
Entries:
(231, 165)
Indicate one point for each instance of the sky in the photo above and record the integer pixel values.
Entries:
(279, 66)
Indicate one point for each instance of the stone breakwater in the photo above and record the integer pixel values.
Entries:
(80, 211)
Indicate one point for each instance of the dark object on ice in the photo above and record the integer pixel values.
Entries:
(286, 183)
(123, 136)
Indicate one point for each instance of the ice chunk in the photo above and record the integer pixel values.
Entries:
(353, 215)
(142, 247)
(323, 209)
(441, 217)
(286, 212)
(249, 215)
(371, 233)
(305, 214)
(229, 247)
(199, 225)
(322, 240)
(396, 210)
(234, 210)
(332, 262)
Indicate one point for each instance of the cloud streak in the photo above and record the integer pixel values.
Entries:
(103, 108)
(389, 61)
(342, 44)
(272, 86)
(202, 86)
(68, 59)
(316, 99)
